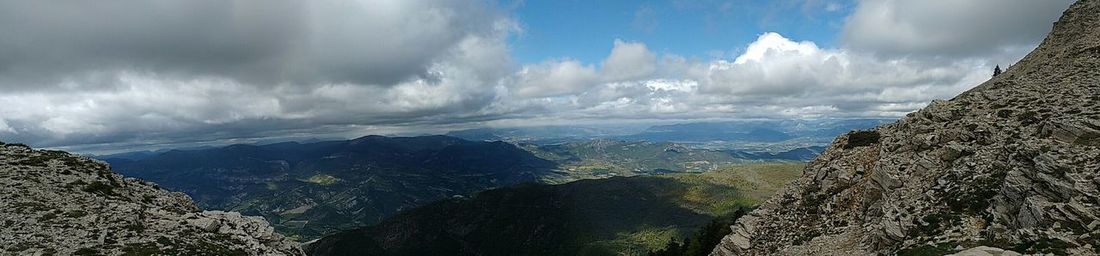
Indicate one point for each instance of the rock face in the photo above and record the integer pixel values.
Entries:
(55, 203)
(1013, 163)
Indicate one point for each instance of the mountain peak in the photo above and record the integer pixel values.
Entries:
(1011, 163)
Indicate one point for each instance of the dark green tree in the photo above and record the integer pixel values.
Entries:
(673, 248)
(704, 240)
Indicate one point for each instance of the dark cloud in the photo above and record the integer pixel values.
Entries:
(257, 42)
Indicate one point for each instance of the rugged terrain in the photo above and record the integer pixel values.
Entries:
(613, 216)
(310, 189)
(55, 203)
(1013, 163)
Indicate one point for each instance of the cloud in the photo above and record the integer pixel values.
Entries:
(374, 42)
(201, 71)
(776, 70)
(774, 77)
(949, 28)
(208, 70)
(554, 78)
(628, 61)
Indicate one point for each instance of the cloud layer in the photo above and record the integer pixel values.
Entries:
(975, 28)
(168, 72)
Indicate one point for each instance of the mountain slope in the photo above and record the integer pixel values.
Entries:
(52, 202)
(1013, 163)
(613, 216)
(311, 189)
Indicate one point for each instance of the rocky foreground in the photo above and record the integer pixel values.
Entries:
(1011, 166)
(55, 203)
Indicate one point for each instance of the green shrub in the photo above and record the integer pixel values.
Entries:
(144, 249)
(86, 252)
(100, 188)
(861, 139)
(927, 250)
(76, 214)
(40, 160)
(47, 217)
(705, 239)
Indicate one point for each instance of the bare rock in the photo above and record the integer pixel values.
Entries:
(1014, 162)
(55, 203)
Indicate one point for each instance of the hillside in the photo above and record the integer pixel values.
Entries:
(614, 216)
(55, 203)
(310, 189)
(1012, 163)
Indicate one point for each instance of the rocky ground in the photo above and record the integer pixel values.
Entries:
(55, 203)
(1012, 164)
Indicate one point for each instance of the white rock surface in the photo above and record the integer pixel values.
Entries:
(55, 203)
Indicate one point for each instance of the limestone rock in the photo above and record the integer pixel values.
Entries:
(55, 203)
(1014, 162)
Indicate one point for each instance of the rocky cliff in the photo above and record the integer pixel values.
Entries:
(55, 203)
(1013, 163)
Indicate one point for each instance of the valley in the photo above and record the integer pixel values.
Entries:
(307, 190)
(612, 216)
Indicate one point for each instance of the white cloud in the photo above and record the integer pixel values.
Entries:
(772, 44)
(554, 78)
(949, 27)
(774, 69)
(628, 61)
(774, 77)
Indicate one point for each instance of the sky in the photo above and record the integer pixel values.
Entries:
(95, 76)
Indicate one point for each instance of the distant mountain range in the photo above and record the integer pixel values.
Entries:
(743, 135)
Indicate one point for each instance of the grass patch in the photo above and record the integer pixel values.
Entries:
(322, 179)
(928, 250)
(100, 188)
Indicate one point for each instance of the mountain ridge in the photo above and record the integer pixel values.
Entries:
(53, 202)
(1011, 163)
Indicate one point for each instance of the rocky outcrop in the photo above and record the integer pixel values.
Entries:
(1013, 163)
(55, 203)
